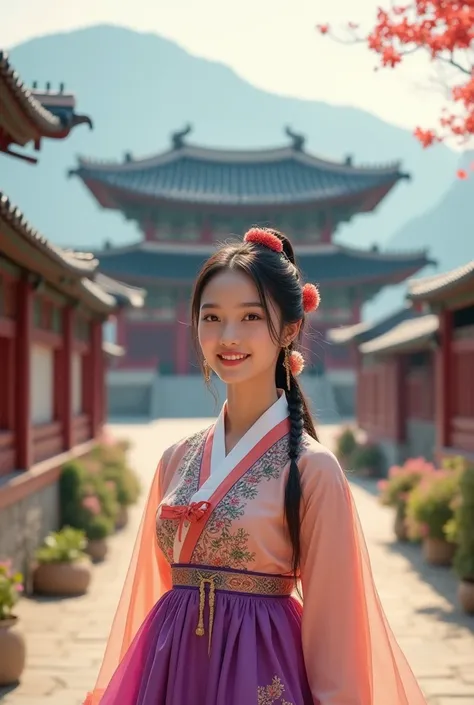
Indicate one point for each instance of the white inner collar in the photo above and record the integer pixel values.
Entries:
(268, 420)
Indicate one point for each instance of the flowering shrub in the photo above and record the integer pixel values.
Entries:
(430, 505)
(461, 527)
(11, 586)
(394, 491)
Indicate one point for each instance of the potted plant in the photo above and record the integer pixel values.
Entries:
(97, 530)
(394, 491)
(63, 568)
(12, 642)
(346, 443)
(429, 509)
(368, 460)
(461, 529)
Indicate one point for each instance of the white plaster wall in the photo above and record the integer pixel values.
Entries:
(42, 384)
(76, 373)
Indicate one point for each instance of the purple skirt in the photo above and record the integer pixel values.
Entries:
(255, 656)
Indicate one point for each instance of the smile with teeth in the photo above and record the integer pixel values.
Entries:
(233, 357)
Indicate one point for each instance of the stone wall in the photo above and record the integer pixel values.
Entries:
(24, 524)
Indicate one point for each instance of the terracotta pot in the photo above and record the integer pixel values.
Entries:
(97, 549)
(12, 651)
(122, 518)
(62, 579)
(466, 595)
(438, 551)
(399, 526)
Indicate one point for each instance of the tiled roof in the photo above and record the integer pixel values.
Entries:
(46, 114)
(251, 178)
(409, 335)
(79, 263)
(123, 293)
(332, 264)
(98, 288)
(367, 330)
(441, 285)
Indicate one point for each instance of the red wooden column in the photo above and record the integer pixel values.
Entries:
(24, 328)
(68, 334)
(97, 377)
(444, 381)
(400, 389)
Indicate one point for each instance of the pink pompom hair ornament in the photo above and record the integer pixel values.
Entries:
(311, 298)
(296, 363)
(259, 236)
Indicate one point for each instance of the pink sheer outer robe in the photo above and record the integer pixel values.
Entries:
(350, 654)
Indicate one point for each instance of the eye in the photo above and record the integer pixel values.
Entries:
(252, 317)
(209, 318)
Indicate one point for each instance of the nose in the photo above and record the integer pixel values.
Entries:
(229, 335)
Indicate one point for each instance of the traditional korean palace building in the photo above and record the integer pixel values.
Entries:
(415, 394)
(53, 306)
(27, 116)
(189, 198)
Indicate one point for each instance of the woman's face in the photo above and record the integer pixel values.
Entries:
(234, 331)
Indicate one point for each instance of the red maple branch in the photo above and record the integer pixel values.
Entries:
(442, 28)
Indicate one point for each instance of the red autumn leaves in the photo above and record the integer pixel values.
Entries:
(445, 30)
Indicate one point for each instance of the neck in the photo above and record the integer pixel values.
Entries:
(245, 404)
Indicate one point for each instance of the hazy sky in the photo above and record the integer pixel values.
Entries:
(271, 43)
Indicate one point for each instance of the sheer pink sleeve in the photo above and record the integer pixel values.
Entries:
(351, 655)
(148, 578)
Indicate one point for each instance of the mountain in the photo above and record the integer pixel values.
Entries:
(138, 88)
(447, 229)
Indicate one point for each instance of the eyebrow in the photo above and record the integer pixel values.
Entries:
(246, 304)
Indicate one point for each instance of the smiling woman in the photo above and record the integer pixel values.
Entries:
(240, 517)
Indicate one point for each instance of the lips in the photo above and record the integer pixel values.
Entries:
(232, 359)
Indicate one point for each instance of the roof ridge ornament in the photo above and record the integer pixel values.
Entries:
(298, 140)
(177, 138)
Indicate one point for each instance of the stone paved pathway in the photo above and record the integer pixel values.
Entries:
(66, 638)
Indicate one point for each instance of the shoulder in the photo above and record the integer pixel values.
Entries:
(319, 469)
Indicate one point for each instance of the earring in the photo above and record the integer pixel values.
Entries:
(207, 371)
(287, 366)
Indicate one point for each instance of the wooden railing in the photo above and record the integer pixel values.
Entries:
(7, 452)
(81, 426)
(47, 440)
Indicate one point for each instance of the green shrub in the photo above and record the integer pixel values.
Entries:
(346, 443)
(65, 546)
(99, 527)
(461, 528)
(369, 457)
(430, 505)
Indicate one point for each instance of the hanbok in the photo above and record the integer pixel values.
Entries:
(210, 614)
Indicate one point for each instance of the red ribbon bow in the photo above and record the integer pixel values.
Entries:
(193, 512)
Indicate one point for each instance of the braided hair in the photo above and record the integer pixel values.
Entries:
(276, 278)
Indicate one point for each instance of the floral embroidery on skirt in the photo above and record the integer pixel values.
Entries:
(271, 694)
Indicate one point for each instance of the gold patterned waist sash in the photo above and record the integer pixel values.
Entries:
(263, 584)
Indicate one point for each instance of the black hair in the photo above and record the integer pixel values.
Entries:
(277, 278)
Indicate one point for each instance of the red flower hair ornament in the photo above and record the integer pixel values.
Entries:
(311, 298)
(296, 361)
(259, 236)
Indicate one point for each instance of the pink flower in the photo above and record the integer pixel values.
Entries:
(92, 504)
